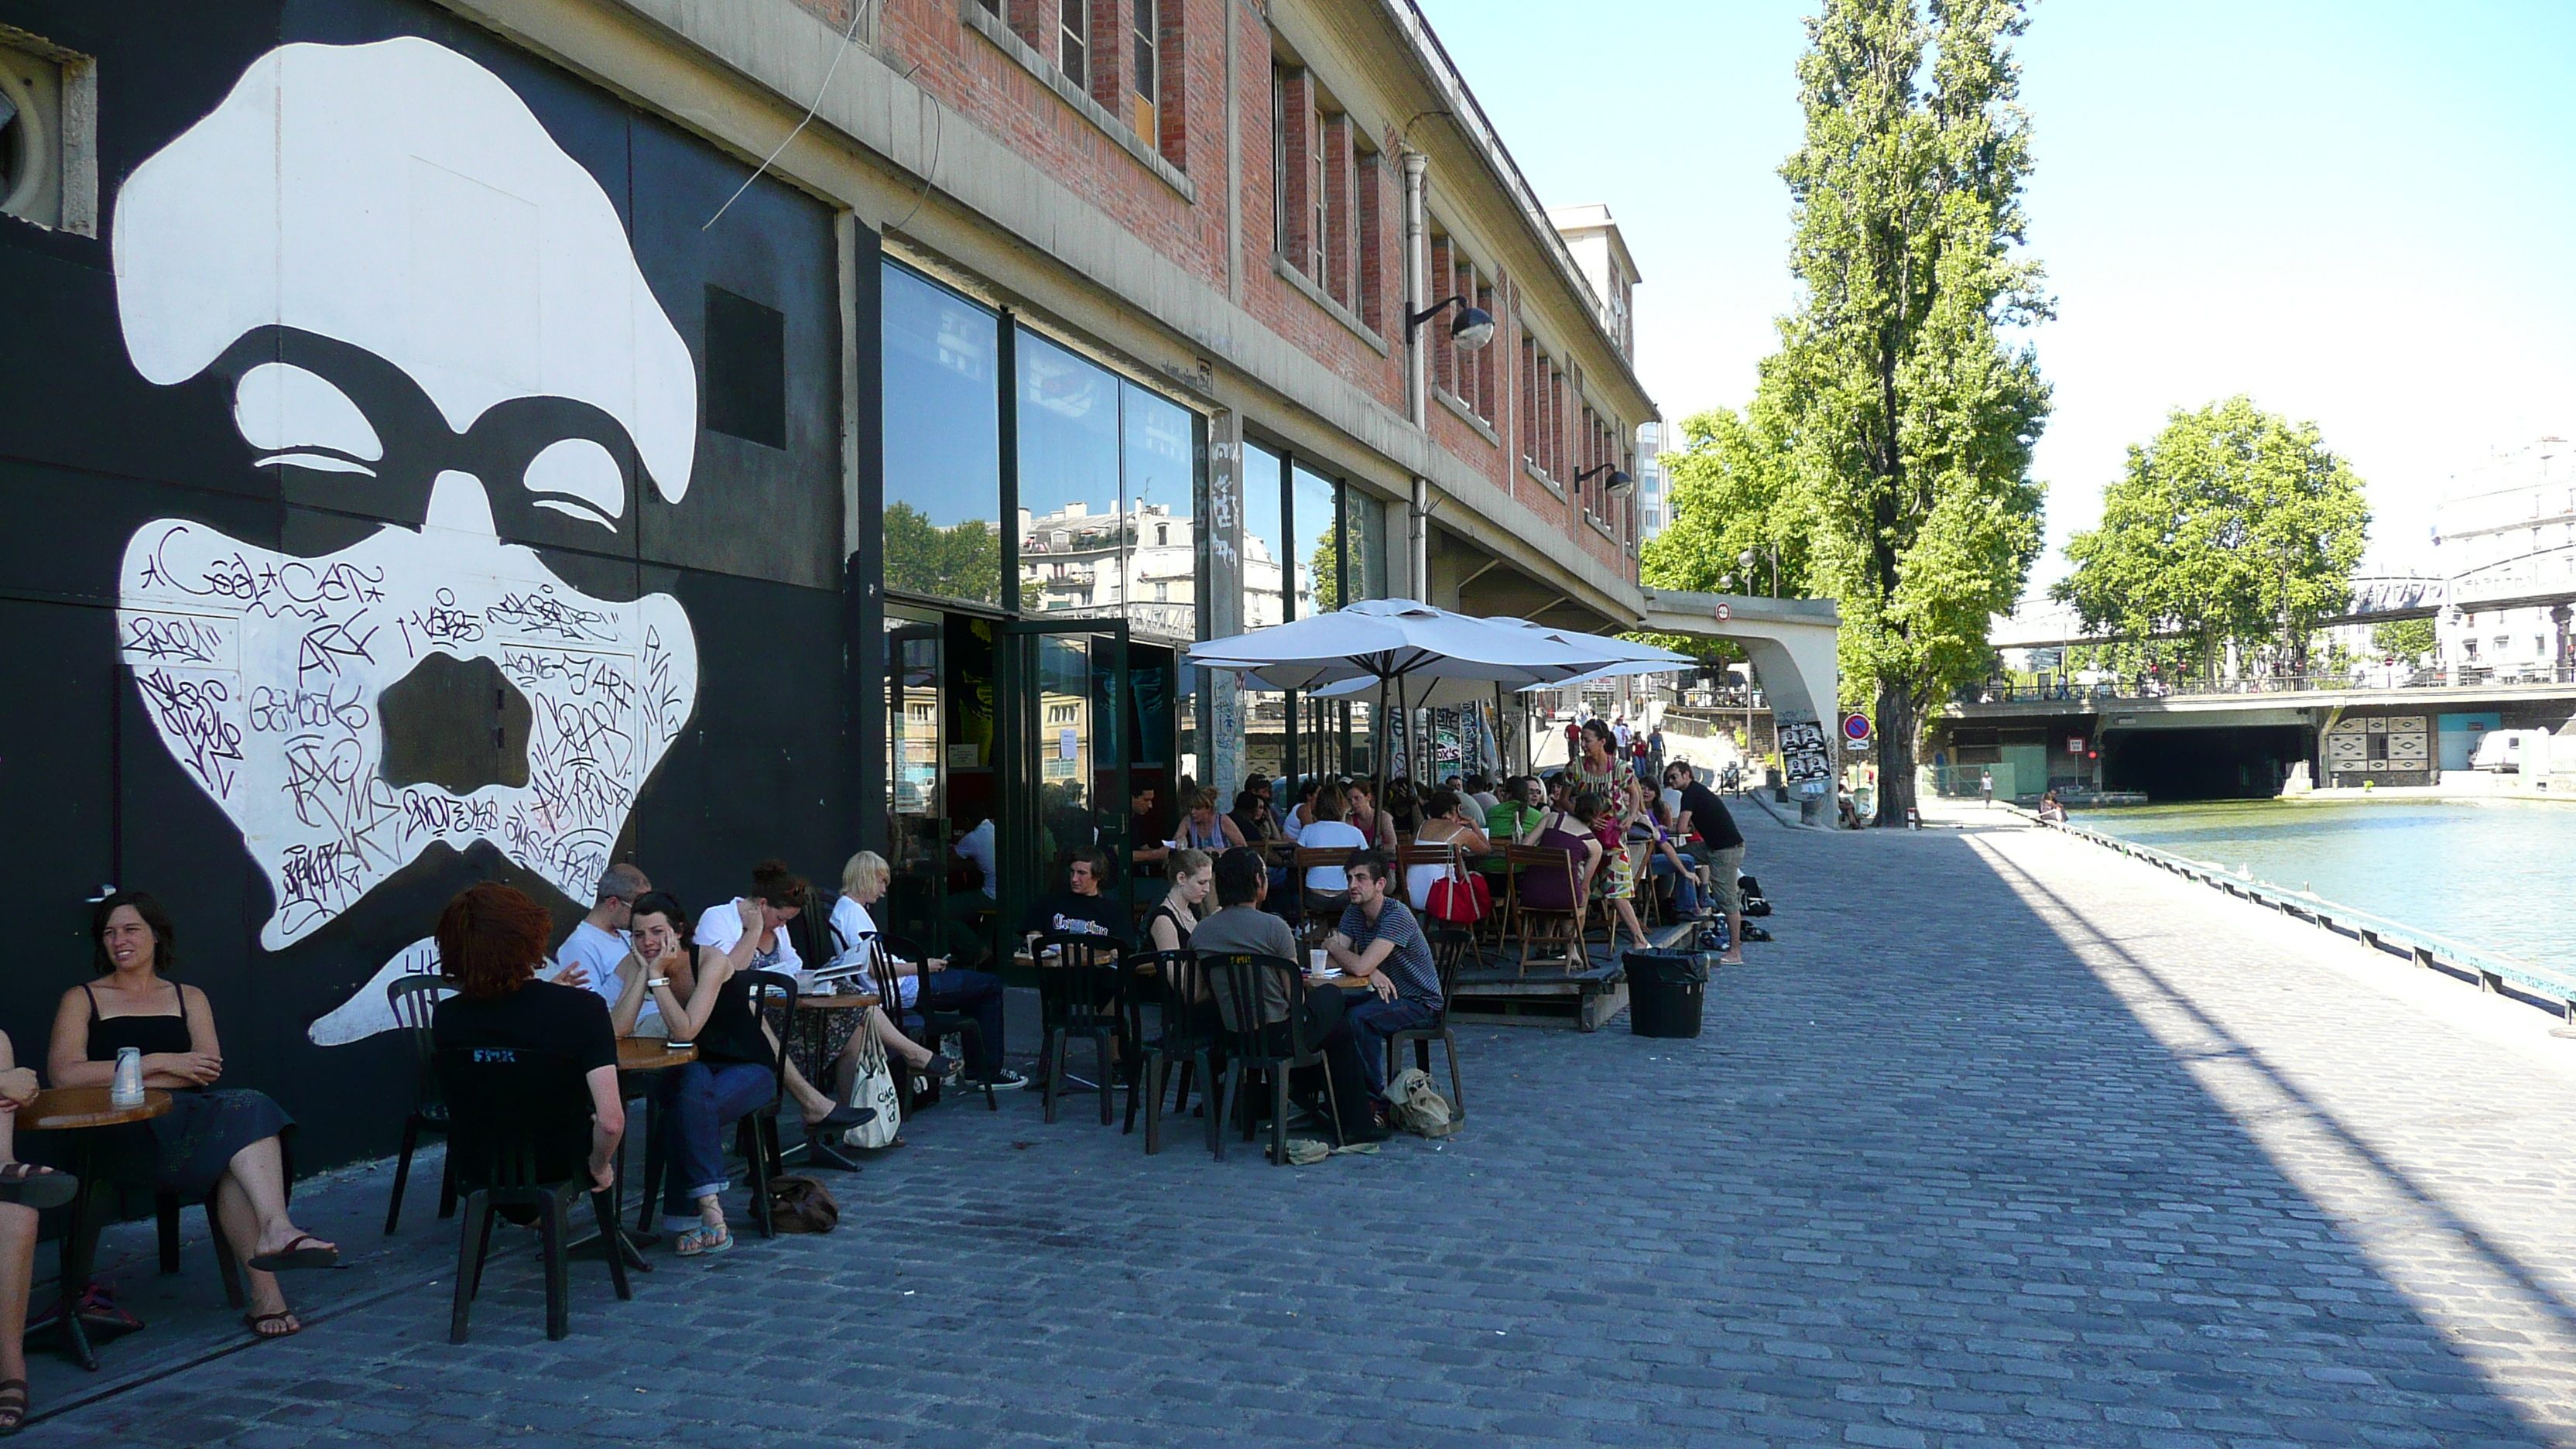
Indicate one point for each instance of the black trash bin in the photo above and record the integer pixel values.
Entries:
(1665, 989)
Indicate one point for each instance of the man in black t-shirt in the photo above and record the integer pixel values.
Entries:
(1720, 848)
(1081, 909)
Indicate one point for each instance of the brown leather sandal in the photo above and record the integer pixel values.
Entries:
(260, 1325)
(297, 1254)
(13, 1406)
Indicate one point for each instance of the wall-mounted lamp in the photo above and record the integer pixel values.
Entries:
(1473, 328)
(1617, 482)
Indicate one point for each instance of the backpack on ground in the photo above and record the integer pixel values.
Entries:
(1418, 1106)
(1750, 890)
(872, 1085)
(802, 1205)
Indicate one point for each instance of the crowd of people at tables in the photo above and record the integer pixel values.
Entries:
(639, 965)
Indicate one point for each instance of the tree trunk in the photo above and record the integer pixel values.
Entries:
(1898, 723)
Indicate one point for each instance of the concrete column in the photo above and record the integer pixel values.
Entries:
(1224, 612)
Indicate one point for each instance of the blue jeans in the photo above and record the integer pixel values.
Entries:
(971, 993)
(1373, 1021)
(696, 1101)
(1685, 885)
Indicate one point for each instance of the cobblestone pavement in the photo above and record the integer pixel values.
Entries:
(2006, 1141)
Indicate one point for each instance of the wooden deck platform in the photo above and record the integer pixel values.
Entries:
(1498, 994)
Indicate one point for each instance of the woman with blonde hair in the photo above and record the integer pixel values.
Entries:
(927, 985)
(1168, 929)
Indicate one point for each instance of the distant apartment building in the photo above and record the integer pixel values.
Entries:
(1654, 484)
(2504, 533)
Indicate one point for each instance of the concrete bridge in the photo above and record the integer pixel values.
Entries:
(2216, 745)
(1792, 642)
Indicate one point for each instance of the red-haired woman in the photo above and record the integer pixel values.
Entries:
(220, 1141)
(491, 943)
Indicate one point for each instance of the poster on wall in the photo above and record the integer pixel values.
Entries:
(1803, 755)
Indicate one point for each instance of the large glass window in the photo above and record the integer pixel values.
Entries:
(1265, 712)
(1316, 522)
(1264, 538)
(1363, 545)
(943, 451)
(1071, 534)
(1108, 474)
(1158, 450)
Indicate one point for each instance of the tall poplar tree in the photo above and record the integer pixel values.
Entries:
(1909, 414)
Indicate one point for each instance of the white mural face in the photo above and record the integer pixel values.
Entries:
(430, 314)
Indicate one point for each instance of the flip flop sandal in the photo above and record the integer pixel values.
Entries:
(259, 1325)
(297, 1255)
(697, 1242)
(13, 1406)
(29, 1185)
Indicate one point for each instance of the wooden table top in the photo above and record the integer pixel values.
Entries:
(651, 1054)
(64, 1109)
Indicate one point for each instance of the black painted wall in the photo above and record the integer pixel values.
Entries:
(90, 450)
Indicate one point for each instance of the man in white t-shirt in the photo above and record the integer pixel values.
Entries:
(590, 956)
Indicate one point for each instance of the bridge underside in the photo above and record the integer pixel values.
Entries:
(2213, 747)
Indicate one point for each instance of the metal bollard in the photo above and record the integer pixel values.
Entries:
(1913, 821)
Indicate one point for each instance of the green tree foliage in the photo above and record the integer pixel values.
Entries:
(2235, 526)
(1908, 413)
(2408, 639)
(1733, 489)
(963, 562)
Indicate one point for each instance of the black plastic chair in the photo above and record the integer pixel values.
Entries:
(1250, 1044)
(414, 1000)
(1081, 995)
(1184, 1033)
(773, 1005)
(519, 1136)
(1449, 948)
(932, 1026)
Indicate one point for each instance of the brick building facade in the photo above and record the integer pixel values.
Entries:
(492, 438)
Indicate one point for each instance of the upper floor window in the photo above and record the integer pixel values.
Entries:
(1146, 59)
(1073, 20)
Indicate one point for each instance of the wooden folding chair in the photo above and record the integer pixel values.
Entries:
(1319, 912)
(1547, 872)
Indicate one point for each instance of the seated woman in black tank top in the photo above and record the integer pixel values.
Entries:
(736, 1067)
(214, 1140)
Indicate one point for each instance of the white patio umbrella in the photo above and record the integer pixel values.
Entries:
(1398, 642)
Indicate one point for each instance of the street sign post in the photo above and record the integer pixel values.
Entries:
(1855, 730)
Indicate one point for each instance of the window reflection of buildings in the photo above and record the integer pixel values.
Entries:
(1144, 565)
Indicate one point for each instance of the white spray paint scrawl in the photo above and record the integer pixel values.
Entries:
(448, 284)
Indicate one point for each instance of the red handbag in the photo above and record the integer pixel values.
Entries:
(1461, 898)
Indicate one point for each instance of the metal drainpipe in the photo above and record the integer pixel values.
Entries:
(1417, 364)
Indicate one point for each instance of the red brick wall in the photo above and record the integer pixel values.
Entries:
(992, 90)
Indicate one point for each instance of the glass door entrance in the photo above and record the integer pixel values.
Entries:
(941, 797)
(1065, 778)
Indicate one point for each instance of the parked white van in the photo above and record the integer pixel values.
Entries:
(2504, 751)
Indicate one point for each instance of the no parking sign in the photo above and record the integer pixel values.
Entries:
(1855, 731)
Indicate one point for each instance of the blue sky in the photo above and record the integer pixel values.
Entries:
(2359, 213)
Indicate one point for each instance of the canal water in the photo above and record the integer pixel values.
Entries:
(2499, 875)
